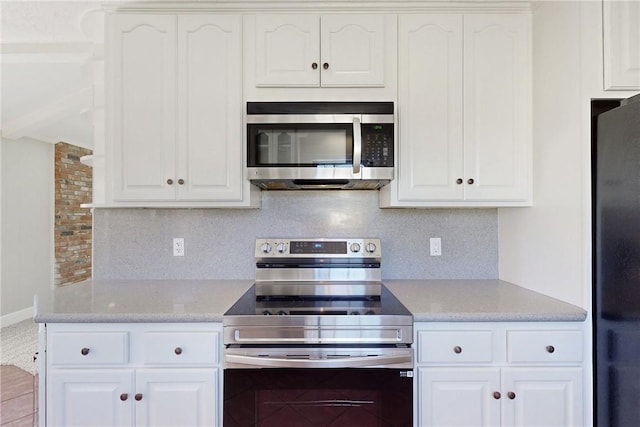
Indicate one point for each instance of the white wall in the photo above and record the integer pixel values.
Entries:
(27, 226)
(547, 248)
(541, 247)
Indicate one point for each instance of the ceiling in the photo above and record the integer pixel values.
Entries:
(51, 66)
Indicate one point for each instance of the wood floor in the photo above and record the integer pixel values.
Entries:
(17, 397)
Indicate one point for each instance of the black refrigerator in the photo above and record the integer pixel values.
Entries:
(616, 263)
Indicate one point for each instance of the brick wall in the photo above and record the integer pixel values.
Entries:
(72, 228)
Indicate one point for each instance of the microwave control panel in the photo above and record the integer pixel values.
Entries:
(377, 145)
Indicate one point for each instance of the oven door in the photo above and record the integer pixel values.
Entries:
(317, 397)
(343, 386)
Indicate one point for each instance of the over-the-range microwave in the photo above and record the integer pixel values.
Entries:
(320, 145)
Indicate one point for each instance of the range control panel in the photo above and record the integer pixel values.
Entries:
(318, 248)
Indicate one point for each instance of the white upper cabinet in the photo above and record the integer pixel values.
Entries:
(464, 113)
(430, 108)
(287, 50)
(497, 107)
(210, 108)
(143, 106)
(352, 52)
(175, 106)
(345, 50)
(621, 25)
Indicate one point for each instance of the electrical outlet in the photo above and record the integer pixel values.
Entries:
(435, 246)
(178, 246)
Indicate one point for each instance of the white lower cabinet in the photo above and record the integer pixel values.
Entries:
(499, 375)
(132, 375)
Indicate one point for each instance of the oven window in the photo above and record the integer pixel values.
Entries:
(317, 397)
(299, 145)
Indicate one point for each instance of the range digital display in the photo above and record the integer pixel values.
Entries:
(318, 247)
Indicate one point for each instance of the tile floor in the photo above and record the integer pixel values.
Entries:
(17, 397)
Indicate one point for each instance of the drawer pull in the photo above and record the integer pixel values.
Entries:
(124, 396)
(511, 395)
(457, 349)
(84, 351)
(178, 351)
(138, 397)
(550, 349)
(496, 395)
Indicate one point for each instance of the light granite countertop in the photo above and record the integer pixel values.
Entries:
(207, 300)
(479, 301)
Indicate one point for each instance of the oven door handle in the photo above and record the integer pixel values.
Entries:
(337, 362)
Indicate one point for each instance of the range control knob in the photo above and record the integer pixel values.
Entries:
(370, 312)
(354, 313)
(266, 248)
(355, 247)
(371, 247)
(281, 248)
(282, 313)
(266, 313)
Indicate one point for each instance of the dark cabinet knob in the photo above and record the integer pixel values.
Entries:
(124, 396)
(550, 349)
(325, 65)
(457, 349)
(459, 181)
(178, 351)
(470, 181)
(84, 351)
(138, 397)
(511, 395)
(314, 65)
(170, 181)
(181, 181)
(496, 395)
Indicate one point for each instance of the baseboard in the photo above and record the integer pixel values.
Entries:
(16, 316)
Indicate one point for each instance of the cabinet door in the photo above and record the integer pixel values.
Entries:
(497, 98)
(142, 126)
(209, 108)
(287, 50)
(352, 51)
(177, 397)
(84, 398)
(621, 25)
(430, 107)
(542, 397)
(460, 397)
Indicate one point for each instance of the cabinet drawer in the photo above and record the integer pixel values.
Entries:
(89, 348)
(454, 346)
(174, 348)
(544, 346)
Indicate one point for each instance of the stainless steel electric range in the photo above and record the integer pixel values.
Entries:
(318, 337)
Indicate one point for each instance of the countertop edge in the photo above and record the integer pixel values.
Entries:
(127, 318)
(499, 317)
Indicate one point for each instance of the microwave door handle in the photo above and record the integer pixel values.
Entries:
(357, 145)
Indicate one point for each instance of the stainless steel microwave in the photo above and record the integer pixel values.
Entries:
(320, 145)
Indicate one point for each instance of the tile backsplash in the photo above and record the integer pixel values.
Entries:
(219, 243)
